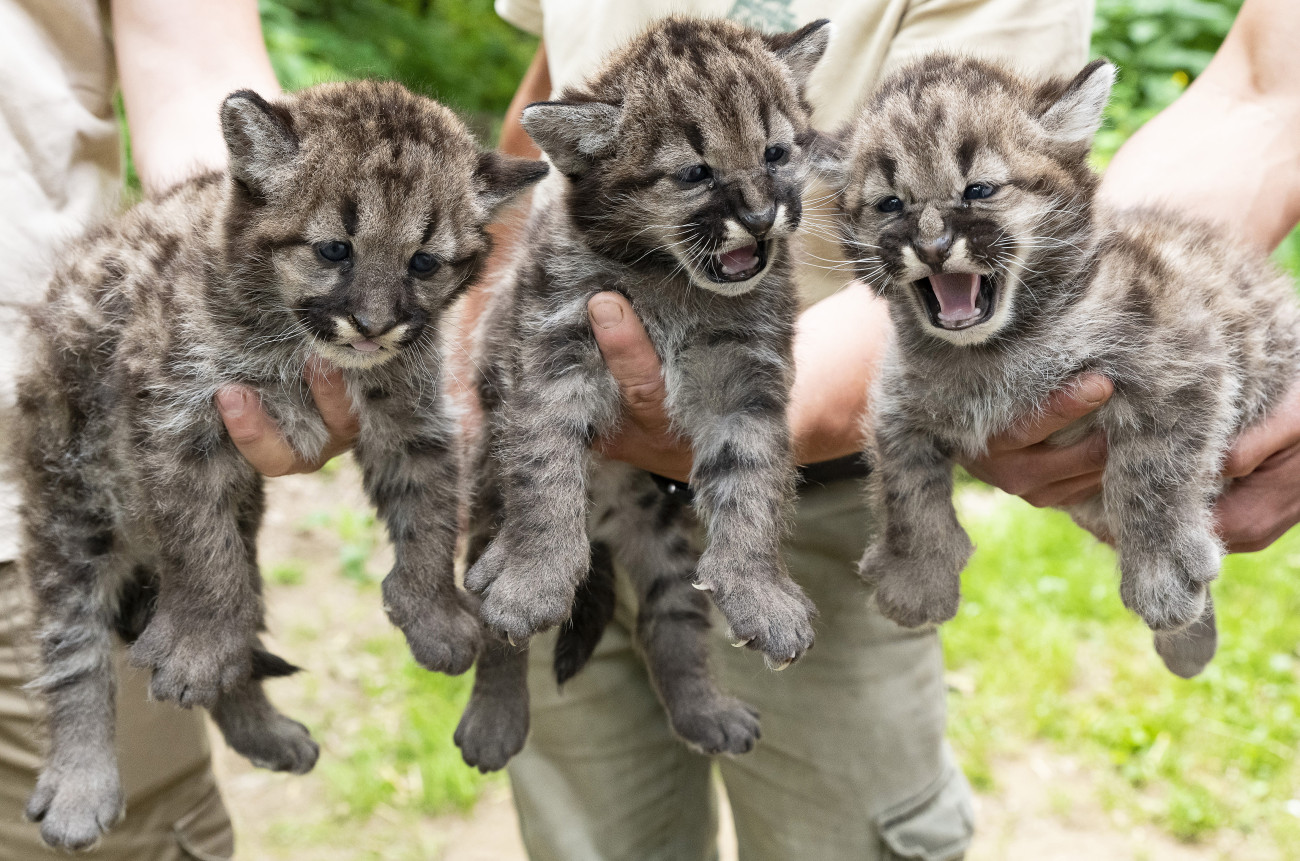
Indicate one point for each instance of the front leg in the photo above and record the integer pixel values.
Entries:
(205, 508)
(408, 460)
(562, 398)
(731, 402)
(915, 563)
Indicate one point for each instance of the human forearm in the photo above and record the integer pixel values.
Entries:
(177, 59)
(1226, 151)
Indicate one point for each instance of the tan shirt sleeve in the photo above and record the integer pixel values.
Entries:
(524, 14)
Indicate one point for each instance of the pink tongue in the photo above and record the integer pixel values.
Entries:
(739, 259)
(365, 346)
(957, 293)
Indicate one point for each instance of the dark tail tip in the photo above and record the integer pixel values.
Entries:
(593, 607)
(269, 666)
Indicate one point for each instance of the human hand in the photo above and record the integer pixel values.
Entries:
(258, 438)
(1263, 500)
(1019, 462)
(645, 438)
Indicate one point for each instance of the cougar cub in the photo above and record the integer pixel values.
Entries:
(968, 201)
(681, 164)
(351, 218)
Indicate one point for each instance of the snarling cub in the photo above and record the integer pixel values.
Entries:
(968, 201)
(351, 218)
(681, 165)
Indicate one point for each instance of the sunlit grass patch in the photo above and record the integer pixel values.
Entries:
(1053, 655)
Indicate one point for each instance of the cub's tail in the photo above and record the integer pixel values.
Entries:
(593, 607)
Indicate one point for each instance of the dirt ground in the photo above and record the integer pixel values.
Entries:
(1045, 805)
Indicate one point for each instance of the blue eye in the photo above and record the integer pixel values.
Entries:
(890, 204)
(696, 173)
(334, 252)
(422, 263)
(979, 191)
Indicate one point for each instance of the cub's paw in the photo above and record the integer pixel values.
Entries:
(76, 804)
(196, 666)
(442, 630)
(1188, 651)
(1168, 590)
(483, 573)
(911, 592)
(492, 730)
(528, 597)
(767, 612)
(719, 724)
(276, 743)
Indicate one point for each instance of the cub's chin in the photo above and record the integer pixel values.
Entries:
(358, 355)
(735, 271)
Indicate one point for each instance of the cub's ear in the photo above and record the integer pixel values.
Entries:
(573, 134)
(802, 49)
(1073, 114)
(260, 139)
(500, 177)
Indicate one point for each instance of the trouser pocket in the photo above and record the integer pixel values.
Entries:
(934, 825)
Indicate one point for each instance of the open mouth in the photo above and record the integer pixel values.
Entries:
(957, 300)
(738, 264)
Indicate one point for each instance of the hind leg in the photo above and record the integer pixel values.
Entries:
(495, 723)
(257, 730)
(78, 796)
(1188, 651)
(653, 545)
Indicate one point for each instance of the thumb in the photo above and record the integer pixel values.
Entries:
(630, 357)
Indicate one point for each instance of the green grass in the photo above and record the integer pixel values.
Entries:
(1054, 656)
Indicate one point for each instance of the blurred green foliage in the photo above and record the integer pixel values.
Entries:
(457, 51)
(1160, 46)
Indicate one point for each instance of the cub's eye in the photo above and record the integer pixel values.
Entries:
(890, 204)
(979, 191)
(775, 154)
(696, 173)
(334, 252)
(422, 263)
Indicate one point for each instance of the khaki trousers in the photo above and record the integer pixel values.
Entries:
(851, 765)
(173, 809)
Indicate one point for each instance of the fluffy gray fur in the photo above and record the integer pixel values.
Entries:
(960, 169)
(311, 246)
(689, 143)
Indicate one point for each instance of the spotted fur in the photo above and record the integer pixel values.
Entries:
(128, 474)
(690, 144)
(959, 169)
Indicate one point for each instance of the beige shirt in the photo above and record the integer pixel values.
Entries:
(871, 38)
(60, 167)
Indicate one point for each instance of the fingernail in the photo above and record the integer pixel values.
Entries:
(1093, 390)
(606, 313)
(232, 402)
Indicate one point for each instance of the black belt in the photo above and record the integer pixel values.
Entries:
(822, 474)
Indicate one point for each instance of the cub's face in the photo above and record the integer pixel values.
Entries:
(965, 189)
(690, 151)
(364, 207)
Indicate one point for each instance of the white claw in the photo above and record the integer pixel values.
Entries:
(511, 641)
(703, 587)
(741, 643)
(776, 668)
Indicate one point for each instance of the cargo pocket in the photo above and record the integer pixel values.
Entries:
(204, 833)
(934, 825)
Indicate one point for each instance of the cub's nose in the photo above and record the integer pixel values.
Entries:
(369, 327)
(934, 251)
(759, 223)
